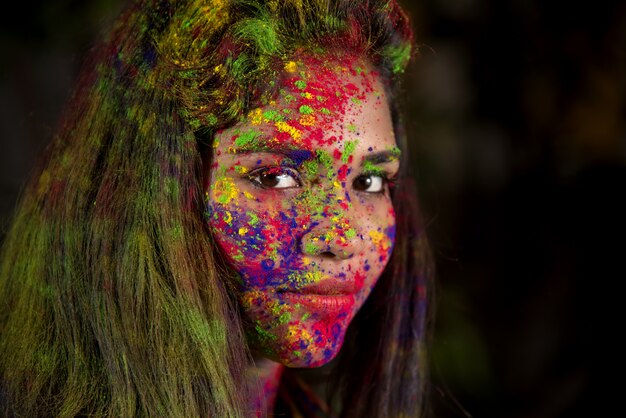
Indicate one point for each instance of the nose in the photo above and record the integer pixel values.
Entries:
(333, 238)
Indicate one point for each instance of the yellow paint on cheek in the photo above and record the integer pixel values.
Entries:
(224, 190)
(228, 218)
(248, 195)
(380, 240)
(243, 231)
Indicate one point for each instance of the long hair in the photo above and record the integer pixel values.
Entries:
(113, 302)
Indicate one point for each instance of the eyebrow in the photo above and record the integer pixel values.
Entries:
(300, 155)
(381, 157)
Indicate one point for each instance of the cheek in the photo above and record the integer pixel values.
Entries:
(381, 233)
(257, 241)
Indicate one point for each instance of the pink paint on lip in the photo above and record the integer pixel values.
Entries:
(322, 304)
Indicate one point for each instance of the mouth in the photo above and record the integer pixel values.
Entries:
(327, 288)
(326, 305)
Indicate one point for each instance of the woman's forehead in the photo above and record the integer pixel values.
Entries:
(319, 104)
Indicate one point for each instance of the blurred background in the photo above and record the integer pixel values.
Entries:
(517, 114)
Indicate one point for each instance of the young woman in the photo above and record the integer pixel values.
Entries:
(224, 205)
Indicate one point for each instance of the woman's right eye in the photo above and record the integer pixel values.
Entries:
(275, 178)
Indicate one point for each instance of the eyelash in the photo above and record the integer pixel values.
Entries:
(388, 181)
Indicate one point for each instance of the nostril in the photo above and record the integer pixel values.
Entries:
(327, 254)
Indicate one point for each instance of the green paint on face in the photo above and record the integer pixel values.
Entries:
(395, 151)
(325, 159)
(325, 111)
(310, 248)
(306, 110)
(350, 233)
(246, 138)
(348, 150)
(301, 84)
(273, 115)
(284, 318)
(356, 101)
(310, 169)
(264, 335)
(371, 168)
(254, 219)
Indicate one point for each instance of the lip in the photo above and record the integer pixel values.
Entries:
(327, 305)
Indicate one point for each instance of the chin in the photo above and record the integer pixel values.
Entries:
(301, 347)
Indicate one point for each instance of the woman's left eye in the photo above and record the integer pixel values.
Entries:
(370, 183)
(275, 178)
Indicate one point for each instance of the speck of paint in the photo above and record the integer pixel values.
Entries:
(306, 110)
(356, 100)
(254, 219)
(301, 84)
(246, 137)
(290, 67)
(267, 264)
(284, 318)
(348, 150)
(273, 115)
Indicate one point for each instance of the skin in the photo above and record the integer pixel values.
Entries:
(298, 201)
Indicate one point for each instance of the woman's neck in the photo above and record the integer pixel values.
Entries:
(264, 378)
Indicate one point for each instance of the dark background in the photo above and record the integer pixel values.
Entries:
(517, 110)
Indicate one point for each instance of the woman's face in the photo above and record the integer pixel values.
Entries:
(298, 200)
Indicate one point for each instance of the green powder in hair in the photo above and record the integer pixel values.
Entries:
(399, 56)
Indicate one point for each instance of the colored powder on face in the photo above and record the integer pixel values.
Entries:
(300, 84)
(298, 157)
(325, 159)
(246, 138)
(254, 219)
(273, 115)
(224, 190)
(255, 116)
(310, 169)
(306, 110)
(371, 168)
(285, 127)
(307, 120)
(348, 150)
